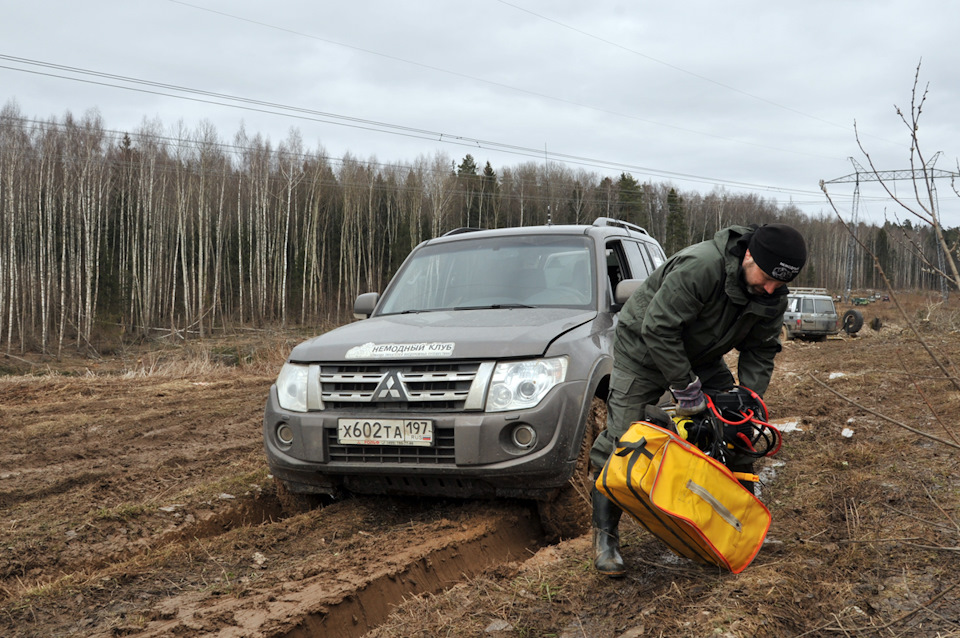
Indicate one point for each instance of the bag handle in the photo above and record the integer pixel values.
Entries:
(623, 449)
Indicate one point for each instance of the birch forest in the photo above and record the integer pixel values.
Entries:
(181, 231)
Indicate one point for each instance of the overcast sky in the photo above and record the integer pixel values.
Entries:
(744, 95)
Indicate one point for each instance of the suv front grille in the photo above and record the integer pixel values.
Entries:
(442, 452)
(411, 387)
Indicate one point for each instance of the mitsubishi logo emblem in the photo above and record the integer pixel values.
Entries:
(390, 388)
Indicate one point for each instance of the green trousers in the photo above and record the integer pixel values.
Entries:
(631, 392)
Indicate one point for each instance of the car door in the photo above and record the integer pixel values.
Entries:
(816, 316)
(808, 315)
(826, 314)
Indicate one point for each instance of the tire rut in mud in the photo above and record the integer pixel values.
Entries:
(344, 568)
(438, 569)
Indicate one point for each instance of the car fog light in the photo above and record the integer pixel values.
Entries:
(285, 434)
(524, 437)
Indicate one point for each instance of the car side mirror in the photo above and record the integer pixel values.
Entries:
(364, 305)
(623, 292)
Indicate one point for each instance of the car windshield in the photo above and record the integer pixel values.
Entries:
(495, 272)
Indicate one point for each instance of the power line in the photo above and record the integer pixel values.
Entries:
(250, 104)
(669, 65)
(116, 137)
(501, 85)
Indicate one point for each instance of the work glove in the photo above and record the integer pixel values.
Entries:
(690, 400)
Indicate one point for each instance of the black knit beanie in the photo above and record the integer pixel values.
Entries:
(779, 250)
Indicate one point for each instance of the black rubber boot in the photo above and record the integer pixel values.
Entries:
(606, 536)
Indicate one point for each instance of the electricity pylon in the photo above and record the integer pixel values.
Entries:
(928, 174)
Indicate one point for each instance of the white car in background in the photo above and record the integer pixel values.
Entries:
(810, 315)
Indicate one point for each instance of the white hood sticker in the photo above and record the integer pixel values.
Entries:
(400, 350)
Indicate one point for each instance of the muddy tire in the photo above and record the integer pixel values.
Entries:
(568, 514)
(785, 335)
(293, 503)
(852, 321)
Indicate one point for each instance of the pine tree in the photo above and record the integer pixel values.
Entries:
(630, 196)
(469, 186)
(678, 234)
(489, 197)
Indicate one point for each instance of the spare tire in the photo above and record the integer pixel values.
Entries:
(852, 321)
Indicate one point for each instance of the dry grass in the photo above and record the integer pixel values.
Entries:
(863, 543)
(244, 352)
(864, 540)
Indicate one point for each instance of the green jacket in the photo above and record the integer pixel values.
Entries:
(694, 309)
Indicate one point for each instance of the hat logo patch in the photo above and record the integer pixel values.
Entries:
(784, 272)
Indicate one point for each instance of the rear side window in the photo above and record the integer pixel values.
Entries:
(655, 254)
(640, 266)
(824, 306)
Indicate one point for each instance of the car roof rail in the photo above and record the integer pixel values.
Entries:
(610, 221)
(460, 231)
(809, 291)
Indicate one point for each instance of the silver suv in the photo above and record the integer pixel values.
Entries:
(482, 370)
(810, 315)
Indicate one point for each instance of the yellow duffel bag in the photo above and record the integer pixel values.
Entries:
(687, 499)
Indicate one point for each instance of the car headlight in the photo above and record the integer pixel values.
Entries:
(522, 384)
(292, 387)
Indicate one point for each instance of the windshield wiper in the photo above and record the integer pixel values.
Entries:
(414, 311)
(495, 306)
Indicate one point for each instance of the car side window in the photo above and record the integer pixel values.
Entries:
(825, 307)
(655, 255)
(617, 267)
(631, 259)
(640, 266)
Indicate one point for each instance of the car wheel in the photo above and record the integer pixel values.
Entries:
(785, 334)
(852, 321)
(568, 514)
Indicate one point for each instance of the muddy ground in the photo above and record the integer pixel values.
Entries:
(135, 501)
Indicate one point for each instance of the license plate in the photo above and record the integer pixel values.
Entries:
(385, 432)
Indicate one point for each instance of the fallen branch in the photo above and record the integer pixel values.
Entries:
(897, 620)
(886, 418)
(934, 547)
(937, 505)
(878, 540)
(7, 355)
(916, 386)
(915, 517)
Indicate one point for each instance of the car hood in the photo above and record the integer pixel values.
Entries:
(460, 334)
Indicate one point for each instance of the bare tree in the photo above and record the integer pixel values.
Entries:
(923, 207)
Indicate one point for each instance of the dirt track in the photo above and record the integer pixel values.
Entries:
(145, 505)
(141, 505)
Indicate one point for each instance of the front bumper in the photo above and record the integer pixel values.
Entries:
(473, 454)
